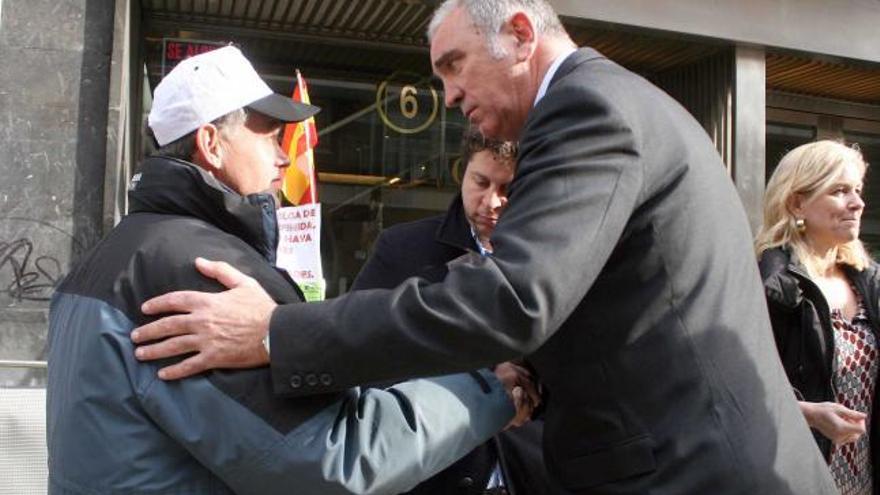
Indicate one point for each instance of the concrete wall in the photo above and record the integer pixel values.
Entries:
(54, 90)
(842, 28)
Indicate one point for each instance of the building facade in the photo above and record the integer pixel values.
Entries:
(760, 76)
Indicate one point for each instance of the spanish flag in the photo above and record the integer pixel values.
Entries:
(299, 186)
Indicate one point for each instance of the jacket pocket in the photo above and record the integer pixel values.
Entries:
(624, 459)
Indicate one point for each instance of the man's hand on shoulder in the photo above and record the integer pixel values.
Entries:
(224, 330)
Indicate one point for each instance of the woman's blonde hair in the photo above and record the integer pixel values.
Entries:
(809, 170)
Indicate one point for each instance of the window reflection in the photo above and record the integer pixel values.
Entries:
(782, 138)
(869, 144)
(385, 155)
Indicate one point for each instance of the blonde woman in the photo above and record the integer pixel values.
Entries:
(822, 292)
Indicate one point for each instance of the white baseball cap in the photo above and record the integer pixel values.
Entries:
(205, 87)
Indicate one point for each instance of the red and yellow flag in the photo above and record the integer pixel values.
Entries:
(299, 186)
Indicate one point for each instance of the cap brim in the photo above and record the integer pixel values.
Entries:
(283, 108)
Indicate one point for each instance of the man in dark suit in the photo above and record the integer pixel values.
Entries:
(623, 267)
(512, 461)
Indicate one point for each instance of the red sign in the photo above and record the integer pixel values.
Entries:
(175, 50)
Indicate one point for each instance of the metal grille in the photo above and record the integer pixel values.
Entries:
(823, 78)
(23, 455)
(705, 89)
(393, 21)
(373, 37)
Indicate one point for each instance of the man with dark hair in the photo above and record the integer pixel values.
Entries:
(623, 267)
(422, 248)
(512, 461)
(112, 427)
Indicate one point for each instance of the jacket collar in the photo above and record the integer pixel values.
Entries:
(779, 259)
(785, 277)
(177, 187)
(455, 230)
(782, 274)
(865, 281)
(582, 55)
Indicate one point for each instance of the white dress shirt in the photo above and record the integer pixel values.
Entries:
(545, 83)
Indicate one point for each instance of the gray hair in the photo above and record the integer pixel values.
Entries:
(185, 147)
(490, 15)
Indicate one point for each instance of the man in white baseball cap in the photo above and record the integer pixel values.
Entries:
(113, 427)
(220, 91)
(204, 88)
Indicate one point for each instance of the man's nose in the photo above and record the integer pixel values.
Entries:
(282, 160)
(497, 200)
(452, 95)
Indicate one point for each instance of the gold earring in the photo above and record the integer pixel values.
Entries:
(800, 224)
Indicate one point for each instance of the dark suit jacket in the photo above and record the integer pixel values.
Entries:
(624, 266)
(422, 248)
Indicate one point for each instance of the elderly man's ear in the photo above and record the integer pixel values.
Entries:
(208, 153)
(520, 26)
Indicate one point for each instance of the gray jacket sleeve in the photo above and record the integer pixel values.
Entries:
(371, 441)
(579, 179)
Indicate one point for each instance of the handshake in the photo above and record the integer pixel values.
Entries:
(523, 390)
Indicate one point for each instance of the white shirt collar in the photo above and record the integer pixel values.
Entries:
(483, 250)
(545, 83)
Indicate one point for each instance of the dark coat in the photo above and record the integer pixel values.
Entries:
(801, 322)
(114, 427)
(422, 248)
(623, 267)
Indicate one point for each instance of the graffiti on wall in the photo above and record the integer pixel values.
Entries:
(28, 272)
(25, 275)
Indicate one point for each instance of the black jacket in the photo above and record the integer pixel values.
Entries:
(422, 248)
(801, 322)
(114, 427)
(623, 268)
